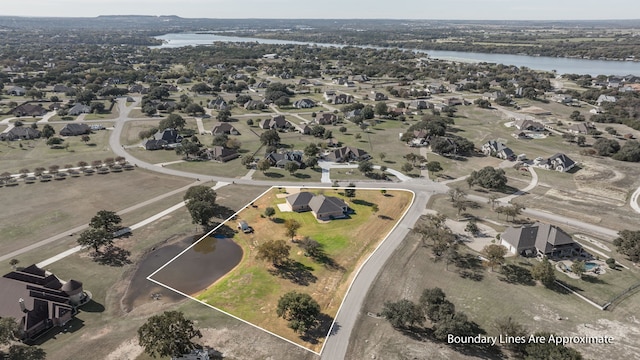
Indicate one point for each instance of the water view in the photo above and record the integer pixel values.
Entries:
(560, 65)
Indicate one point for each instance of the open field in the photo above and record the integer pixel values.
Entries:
(411, 269)
(347, 242)
(54, 207)
(36, 153)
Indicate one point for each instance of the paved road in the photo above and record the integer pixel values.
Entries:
(337, 343)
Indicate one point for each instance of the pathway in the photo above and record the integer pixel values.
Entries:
(532, 184)
(200, 125)
(634, 200)
(46, 117)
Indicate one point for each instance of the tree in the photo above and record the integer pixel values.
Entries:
(506, 326)
(173, 121)
(472, 227)
(483, 103)
(311, 150)
(85, 138)
(403, 313)
(406, 167)
(187, 148)
(350, 191)
(606, 147)
(581, 140)
(311, 247)
(270, 138)
(549, 350)
(493, 199)
(611, 262)
(488, 178)
(300, 309)
(48, 131)
(168, 334)
(223, 115)
(275, 251)
(263, 165)
(628, 243)
(95, 238)
(247, 160)
(54, 141)
(365, 167)
(292, 227)
(578, 268)
(435, 304)
(311, 161)
(495, 254)
(544, 272)
(200, 201)
(291, 167)
(269, 212)
(25, 352)
(106, 220)
(8, 329)
(434, 166)
(381, 109)
(456, 324)
(14, 262)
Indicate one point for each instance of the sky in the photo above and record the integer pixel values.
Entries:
(335, 9)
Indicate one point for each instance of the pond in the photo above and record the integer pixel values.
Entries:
(201, 265)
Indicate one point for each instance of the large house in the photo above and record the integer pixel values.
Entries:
(78, 109)
(224, 128)
(497, 149)
(29, 110)
(281, 159)
(168, 138)
(322, 207)
(21, 133)
(275, 123)
(579, 128)
(222, 154)
(218, 104)
(75, 129)
(326, 119)
(38, 300)
(539, 240)
(558, 162)
(529, 125)
(304, 104)
(347, 154)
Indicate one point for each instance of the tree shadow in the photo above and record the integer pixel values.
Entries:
(514, 274)
(113, 256)
(294, 271)
(302, 176)
(223, 212)
(273, 175)
(362, 202)
(385, 217)
(469, 267)
(278, 220)
(224, 230)
(320, 256)
(319, 331)
(593, 279)
(92, 307)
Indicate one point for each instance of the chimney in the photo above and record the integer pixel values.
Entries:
(22, 307)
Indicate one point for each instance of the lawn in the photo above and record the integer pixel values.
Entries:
(346, 241)
(36, 153)
(302, 175)
(231, 168)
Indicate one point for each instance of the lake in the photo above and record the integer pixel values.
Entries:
(545, 63)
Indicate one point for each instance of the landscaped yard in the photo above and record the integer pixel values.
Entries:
(251, 291)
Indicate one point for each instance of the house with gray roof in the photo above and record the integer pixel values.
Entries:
(322, 207)
(347, 154)
(539, 240)
(224, 128)
(560, 162)
(21, 133)
(528, 125)
(74, 129)
(78, 109)
(497, 149)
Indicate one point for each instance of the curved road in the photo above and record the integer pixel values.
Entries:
(337, 342)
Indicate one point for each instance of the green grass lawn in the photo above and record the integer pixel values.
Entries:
(302, 175)
(346, 241)
(231, 168)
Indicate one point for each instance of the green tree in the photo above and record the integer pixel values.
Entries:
(495, 254)
(270, 138)
(187, 148)
(434, 166)
(292, 227)
(8, 330)
(578, 268)
(435, 304)
(406, 167)
(48, 131)
(606, 147)
(200, 201)
(269, 212)
(544, 272)
(311, 150)
(488, 178)
(546, 350)
(173, 121)
(25, 352)
(300, 310)
(291, 167)
(168, 334)
(456, 324)
(506, 326)
(381, 109)
(472, 227)
(274, 251)
(311, 247)
(263, 165)
(95, 238)
(247, 160)
(106, 220)
(223, 115)
(402, 313)
(85, 138)
(581, 140)
(628, 243)
(350, 190)
(365, 167)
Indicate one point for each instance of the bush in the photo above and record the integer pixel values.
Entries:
(611, 262)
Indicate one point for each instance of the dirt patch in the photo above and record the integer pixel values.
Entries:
(599, 181)
(129, 349)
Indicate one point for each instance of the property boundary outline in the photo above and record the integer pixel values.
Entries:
(357, 272)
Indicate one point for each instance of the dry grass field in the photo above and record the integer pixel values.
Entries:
(346, 241)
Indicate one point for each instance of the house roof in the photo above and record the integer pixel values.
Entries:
(323, 204)
(75, 129)
(300, 199)
(22, 132)
(526, 124)
(544, 237)
(223, 128)
(222, 152)
(562, 158)
(171, 136)
(581, 128)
